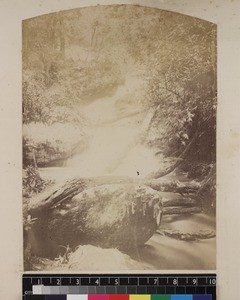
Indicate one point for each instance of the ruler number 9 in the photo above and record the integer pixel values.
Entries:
(194, 281)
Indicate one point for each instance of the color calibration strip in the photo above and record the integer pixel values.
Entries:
(128, 286)
(118, 297)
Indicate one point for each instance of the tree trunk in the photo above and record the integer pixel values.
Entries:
(177, 210)
(193, 236)
(57, 194)
(166, 185)
(183, 202)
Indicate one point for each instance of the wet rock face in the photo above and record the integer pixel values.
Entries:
(121, 216)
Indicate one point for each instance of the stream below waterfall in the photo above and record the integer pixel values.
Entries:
(116, 149)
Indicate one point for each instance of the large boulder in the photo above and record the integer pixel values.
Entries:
(121, 216)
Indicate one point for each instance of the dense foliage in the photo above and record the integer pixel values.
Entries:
(72, 58)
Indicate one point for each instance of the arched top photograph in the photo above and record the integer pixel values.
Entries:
(119, 140)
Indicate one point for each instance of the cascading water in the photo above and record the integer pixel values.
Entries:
(115, 145)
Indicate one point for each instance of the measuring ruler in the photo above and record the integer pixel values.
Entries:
(92, 286)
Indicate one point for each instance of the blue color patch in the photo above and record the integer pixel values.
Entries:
(202, 297)
(181, 297)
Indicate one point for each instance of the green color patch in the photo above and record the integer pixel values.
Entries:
(160, 297)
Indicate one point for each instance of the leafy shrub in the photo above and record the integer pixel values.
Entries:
(32, 182)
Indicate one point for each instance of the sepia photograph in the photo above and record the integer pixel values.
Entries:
(119, 140)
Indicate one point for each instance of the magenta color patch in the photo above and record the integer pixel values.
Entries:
(98, 297)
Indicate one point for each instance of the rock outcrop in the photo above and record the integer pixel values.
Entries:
(121, 216)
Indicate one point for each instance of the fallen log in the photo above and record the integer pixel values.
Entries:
(189, 236)
(183, 202)
(174, 186)
(178, 210)
(57, 194)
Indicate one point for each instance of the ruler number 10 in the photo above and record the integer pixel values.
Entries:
(212, 281)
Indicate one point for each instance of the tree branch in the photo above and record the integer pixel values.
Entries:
(168, 170)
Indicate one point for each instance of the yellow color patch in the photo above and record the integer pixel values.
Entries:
(139, 297)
